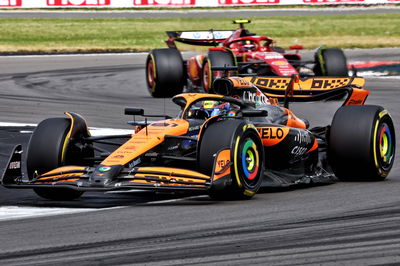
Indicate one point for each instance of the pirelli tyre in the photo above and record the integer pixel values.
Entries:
(48, 149)
(215, 58)
(165, 74)
(361, 143)
(246, 158)
(331, 62)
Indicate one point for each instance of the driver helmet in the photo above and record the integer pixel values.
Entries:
(248, 46)
(216, 108)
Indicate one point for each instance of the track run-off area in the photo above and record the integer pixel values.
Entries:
(343, 223)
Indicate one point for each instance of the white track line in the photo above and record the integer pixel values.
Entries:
(175, 200)
(95, 131)
(14, 212)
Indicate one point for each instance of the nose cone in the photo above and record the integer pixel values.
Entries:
(104, 174)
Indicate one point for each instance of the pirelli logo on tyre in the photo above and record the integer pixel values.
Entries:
(10, 3)
(78, 2)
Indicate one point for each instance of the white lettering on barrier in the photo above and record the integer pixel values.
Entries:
(247, 2)
(164, 2)
(175, 3)
(10, 3)
(330, 1)
(77, 2)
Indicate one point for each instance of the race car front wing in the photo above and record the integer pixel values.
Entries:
(101, 178)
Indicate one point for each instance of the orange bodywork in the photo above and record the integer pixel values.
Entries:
(221, 167)
(160, 175)
(294, 121)
(271, 136)
(358, 97)
(145, 140)
(62, 172)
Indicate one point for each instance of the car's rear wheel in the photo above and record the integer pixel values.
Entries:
(48, 149)
(165, 72)
(215, 58)
(331, 62)
(362, 143)
(246, 158)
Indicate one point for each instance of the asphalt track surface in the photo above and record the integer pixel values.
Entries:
(201, 13)
(353, 223)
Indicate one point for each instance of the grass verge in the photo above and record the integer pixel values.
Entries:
(69, 35)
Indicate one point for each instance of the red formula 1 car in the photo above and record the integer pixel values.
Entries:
(167, 73)
(227, 145)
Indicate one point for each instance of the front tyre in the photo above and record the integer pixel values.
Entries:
(246, 158)
(362, 143)
(164, 72)
(48, 149)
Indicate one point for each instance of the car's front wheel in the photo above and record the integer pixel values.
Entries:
(49, 148)
(246, 157)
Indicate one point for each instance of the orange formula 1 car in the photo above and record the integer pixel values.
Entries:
(225, 145)
(167, 74)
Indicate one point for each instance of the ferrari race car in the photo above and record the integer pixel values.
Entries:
(226, 145)
(167, 73)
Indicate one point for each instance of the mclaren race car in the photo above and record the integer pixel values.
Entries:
(226, 145)
(167, 74)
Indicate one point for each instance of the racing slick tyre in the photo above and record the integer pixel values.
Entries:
(361, 143)
(246, 158)
(215, 58)
(165, 72)
(331, 62)
(47, 151)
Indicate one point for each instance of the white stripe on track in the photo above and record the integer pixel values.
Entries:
(14, 212)
(95, 131)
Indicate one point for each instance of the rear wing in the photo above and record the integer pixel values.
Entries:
(291, 89)
(296, 89)
(201, 38)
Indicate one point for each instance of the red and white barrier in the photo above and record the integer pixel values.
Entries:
(173, 3)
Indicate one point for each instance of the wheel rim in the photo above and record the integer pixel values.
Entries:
(250, 159)
(150, 73)
(385, 146)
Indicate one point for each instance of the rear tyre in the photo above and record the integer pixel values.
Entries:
(164, 72)
(331, 62)
(362, 143)
(246, 157)
(215, 58)
(48, 149)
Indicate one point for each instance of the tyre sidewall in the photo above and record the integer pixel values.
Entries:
(215, 58)
(354, 150)
(247, 187)
(169, 75)
(47, 145)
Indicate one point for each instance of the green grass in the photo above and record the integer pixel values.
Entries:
(62, 35)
